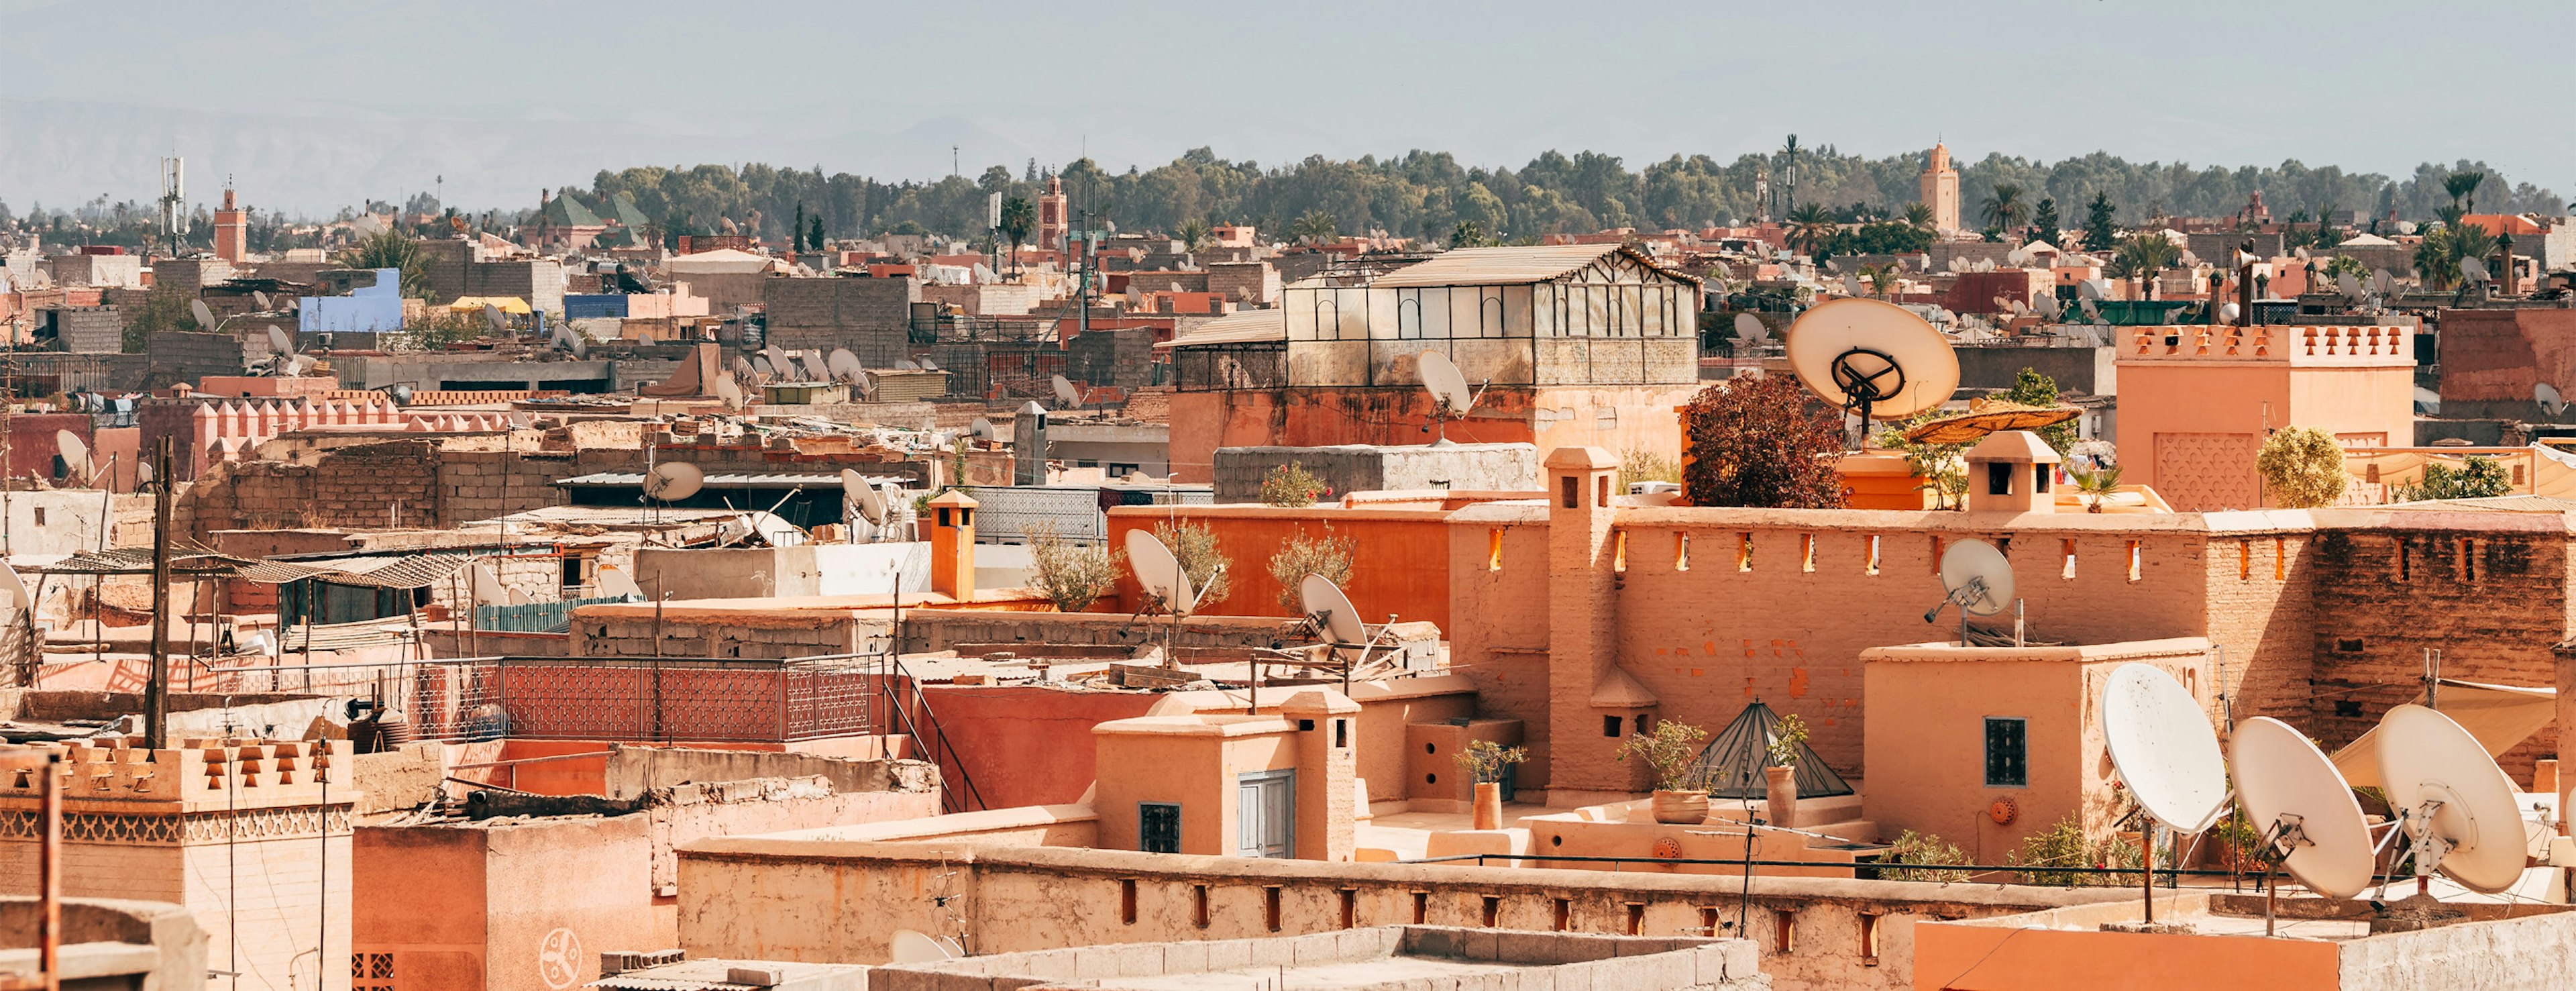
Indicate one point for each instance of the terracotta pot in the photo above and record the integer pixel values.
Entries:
(1680, 808)
(1780, 785)
(1489, 805)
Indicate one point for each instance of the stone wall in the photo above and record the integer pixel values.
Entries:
(871, 317)
(1367, 468)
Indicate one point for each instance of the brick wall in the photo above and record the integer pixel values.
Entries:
(868, 316)
(379, 485)
(1123, 358)
(90, 329)
(187, 355)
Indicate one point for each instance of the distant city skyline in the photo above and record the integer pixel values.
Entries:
(312, 106)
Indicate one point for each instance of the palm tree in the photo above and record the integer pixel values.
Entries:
(2096, 485)
(2434, 262)
(2143, 256)
(1811, 227)
(1315, 227)
(2463, 187)
(1918, 216)
(1881, 278)
(2005, 209)
(392, 249)
(1194, 233)
(2472, 241)
(1019, 220)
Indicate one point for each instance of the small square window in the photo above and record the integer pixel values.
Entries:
(1999, 476)
(2007, 752)
(2040, 477)
(1610, 726)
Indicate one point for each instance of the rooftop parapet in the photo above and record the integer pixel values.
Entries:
(2357, 346)
(199, 773)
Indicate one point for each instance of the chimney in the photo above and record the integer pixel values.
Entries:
(952, 545)
(1029, 446)
(2010, 472)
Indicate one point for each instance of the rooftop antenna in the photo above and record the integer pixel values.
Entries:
(2311, 824)
(174, 199)
(2454, 806)
(1876, 360)
(2164, 748)
(1976, 578)
(1068, 395)
(1450, 397)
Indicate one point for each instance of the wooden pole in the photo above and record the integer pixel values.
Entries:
(156, 687)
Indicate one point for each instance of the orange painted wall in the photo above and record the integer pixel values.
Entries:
(1400, 563)
(424, 903)
(2195, 398)
(1026, 746)
(1996, 958)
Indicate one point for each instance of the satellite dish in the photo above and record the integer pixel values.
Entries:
(1332, 610)
(741, 367)
(279, 342)
(907, 946)
(1833, 265)
(568, 339)
(485, 586)
(400, 393)
(260, 298)
(205, 316)
(1750, 328)
(2230, 313)
(844, 366)
(2088, 291)
(2550, 401)
(1852, 286)
(812, 367)
(13, 590)
(760, 366)
(2303, 254)
(302, 364)
(778, 364)
(928, 365)
(492, 318)
(2049, 306)
(981, 429)
(614, 582)
(1159, 572)
(2456, 806)
(1976, 578)
(2473, 270)
(905, 364)
(864, 497)
(2349, 286)
(75, 455)
(2382, 281)
(1066, 393)
(672, 481)
(1873, 358)
(1450, 397)
(2303, 807)
(730, 392)
(2162, 744)
(2428, 401)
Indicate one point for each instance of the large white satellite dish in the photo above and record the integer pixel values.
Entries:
(1450, 396)
(672, 481)
(13, 590)
(75, 455)
(1873, 358)
(863, 497)
(1159, 572)
(844, 366)
(2455, 805)
(2305, 811)
(2162, 744)
(907, 946)
(205, 315)
(1325, 602)
(613, 581)
(1065, 393)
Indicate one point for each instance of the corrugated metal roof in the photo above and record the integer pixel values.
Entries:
(1509, 266)
(1245, 327)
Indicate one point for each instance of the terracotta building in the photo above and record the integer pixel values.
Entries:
(2196, 402)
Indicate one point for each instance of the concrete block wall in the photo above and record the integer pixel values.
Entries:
(1364, 467)
(187, 355)
(1248, 284)
(1123, 358)
(478, 485)
(871, 317)
(90, 329)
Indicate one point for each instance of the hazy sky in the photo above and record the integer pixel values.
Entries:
(312, 105)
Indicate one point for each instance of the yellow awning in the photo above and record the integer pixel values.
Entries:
(508, 304)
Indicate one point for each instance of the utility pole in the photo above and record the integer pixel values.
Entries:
(156, 686)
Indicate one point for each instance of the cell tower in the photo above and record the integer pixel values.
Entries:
(174, 193)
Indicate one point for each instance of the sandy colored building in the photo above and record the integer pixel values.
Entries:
(2197, 402)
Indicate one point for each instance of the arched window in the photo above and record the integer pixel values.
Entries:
(1489, 314)
(1408, 316)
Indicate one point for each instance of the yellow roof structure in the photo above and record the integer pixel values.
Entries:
(508, 304)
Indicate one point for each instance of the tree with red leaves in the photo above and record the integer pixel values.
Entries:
(1749, 441)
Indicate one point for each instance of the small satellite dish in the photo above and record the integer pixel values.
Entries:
(1977, 578)
(1450, 397)
(844, 366)
(1749, 327)
(2550, 401)
(1065, 393)
(567, 339)
(485, 586)
(522, 421)
(1852, 285)
(2455, 805)
(1872, 358)
(2473, 270)
(2382, 281)
(2049, 306)
(279, 342)
(2088, 290)
(2427, 401)
(2163, 746)
(2349, 286)
(740, 367)
(205, 315)
(2303, 254)
(672, 481)
(1332, 611)
(400, 393)
(730, 392)
(1833, 265)
(760, 366)
(75, 455)
(2230, 313)
(906, 365)
(928, 365)
(613, 581)
(492, 318)
(981, 429)
(907, 946)
(778, 364)
(260, 298)
(2305, 810)
(1159, 572)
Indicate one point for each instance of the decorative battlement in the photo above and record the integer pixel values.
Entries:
(2372, 345)
(212, 773)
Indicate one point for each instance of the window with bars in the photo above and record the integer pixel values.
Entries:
(371, 972)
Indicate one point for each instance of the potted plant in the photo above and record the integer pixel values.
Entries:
(1486, 764)
(1780, 770)
(1669, 752)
